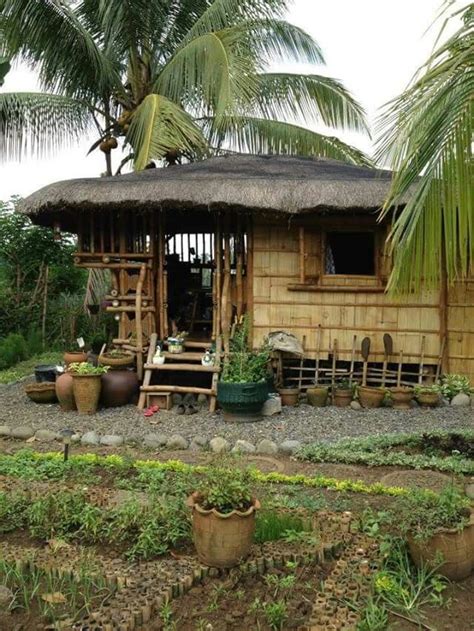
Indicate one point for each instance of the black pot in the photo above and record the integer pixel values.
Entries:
(45, 372)
(242, 401)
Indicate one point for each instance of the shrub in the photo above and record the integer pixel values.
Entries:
(13, 349)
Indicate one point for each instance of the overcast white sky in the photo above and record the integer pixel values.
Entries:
(373, 46)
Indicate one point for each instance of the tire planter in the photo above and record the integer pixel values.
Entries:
(65, 393)
(74, 357)
(242, 401)
(371, 397)
(86, 390)
(341, 397)
(44, 392)
(222, 540)
(45, 373)
(428, 399)
(402, 397)
(317, 396)
(116, 363)
(119, 387)
(456, 546)
(289, 396)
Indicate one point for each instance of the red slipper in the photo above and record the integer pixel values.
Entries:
(155, 408)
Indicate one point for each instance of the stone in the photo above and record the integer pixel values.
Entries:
(90, 438)
(219, 445)
(461, 400)
(195, 446)
(200, 440)
(243, 447)
(133, 440)
(76, 438)
(6, 596)
(289, 447)
(46, 435)
(5, 430)
(469, 490)
(355, 405)
(177, 442)
(154, 441)
(176, 398)
(112, 440)
(414, 403)
(266, 446)
(202, 400)
(271, 406)
(444, 402)
(23, 432)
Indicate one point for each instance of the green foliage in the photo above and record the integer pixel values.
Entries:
(374, 617)
(225, 488)
(85, 368)
(272, 525)
(451, 385)
(12, 511)
(245, 365)
(276, 614)
(13, 349)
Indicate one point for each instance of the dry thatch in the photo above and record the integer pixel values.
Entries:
(284, 184)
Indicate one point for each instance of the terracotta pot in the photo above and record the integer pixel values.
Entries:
(64, 392)
(289, 396)
(118, 388)
(74, 356)
(402, 397)
(455, 546)
(86, 390)
(317, 396)
(371, 397)
(342, 397)
(116, 363)
(222, 540)
(428, 399)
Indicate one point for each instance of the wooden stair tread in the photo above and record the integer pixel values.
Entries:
(186, 356)
(189, 367)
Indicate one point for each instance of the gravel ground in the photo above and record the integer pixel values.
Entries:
(305, 423)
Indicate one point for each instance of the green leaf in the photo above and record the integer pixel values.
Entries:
(4, 69)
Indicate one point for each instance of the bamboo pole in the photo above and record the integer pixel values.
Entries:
(239, 268)
(226, 309)
(302, 256)
(334, 360)
(303, 344)
(218, 273)
(351, 369)
(422, 359)
(45, 306)
(148, 373)
(399, 372)
(138, 322)
(318, 348)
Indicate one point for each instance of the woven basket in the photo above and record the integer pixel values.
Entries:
(116, 362)
(86, 390)
(44, 392)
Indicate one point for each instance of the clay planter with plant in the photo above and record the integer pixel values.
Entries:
(401, 397)
(342, 394)
(290, 395)
(370, 397)
(87, 385)
(440, 530)
(427, 396)
(74, 357)
(223, 516)
(317, 396)
(116, 359)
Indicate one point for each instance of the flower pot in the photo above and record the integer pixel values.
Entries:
(74, 357)
(116, 363)
(402, 397)
(428, 399)
(371, 397)
(455, 546)
(222, 540)
(64, 392)
(44, 392)
(45, 372)
(342, 397)
(289, 396)
(242, 401)
(317, 396)
(119, 387)
(86, 390)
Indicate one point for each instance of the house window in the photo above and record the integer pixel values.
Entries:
(350, 253)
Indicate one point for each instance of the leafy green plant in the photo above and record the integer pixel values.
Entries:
(452, 384)
(276, 613)
(272, 525)
(225, 488)
(374, 616)
(85, 368)
(428, 389)
(13, 349)
(245, 365)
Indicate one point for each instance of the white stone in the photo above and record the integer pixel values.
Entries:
(90, 438)
(155, 440)
(177, 442)
(111, 440)
(461, 400)
(243, 447)
(355, 405)
(271, 406)
(23, 432)
(219, 445)
(266, 446)
(46, 435)
(289, 447)
(200, 440)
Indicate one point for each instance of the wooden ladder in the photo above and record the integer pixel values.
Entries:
(187, 361)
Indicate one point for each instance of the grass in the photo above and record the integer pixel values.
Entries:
(27, 367)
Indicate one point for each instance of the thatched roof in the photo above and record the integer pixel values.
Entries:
(282, 184)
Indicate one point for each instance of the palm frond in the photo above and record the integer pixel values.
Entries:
(258, 135)
(309, 98)
(39, 124)
(159, 126)
(426, 136)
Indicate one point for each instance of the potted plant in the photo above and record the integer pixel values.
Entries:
(342, 393)
(74, 356)
(290, 395)
(371, 396)
(86, 385)
(243, 388)
(439, 529)
(452, 385)
(427, 396)
(116, 359)
(401, 397)
(223, 515)
(317, 396)
(176, 342)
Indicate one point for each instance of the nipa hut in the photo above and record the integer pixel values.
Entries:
(292, 242)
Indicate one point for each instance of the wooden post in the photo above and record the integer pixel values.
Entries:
(422, 359)
(138, 321)
(148, 373)
(334, 359)
(239, 241)
(302, 257)
(218, 275)
(45, 306)
(351, 369)
(318, 350)
(249, 277)
(161, 276)
(399, 372)
(300, 376)
(443, 311)
(226, 310)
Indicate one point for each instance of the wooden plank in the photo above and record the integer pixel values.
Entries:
(168, 388)
(182, 367)
(147, 378)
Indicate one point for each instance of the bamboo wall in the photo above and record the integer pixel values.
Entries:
(344, 306)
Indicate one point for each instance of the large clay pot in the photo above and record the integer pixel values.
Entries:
(342, 397)
(118, 388)
(401, 397)
(428, 399)
(74, 357)
(64, 392)
(289, 396)
(371, 397)
(222, 540)
(317, 396)
(116, 363)
(455, 546)
(86, 390)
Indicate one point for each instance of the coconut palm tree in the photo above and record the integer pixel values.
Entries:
(173, 79)
(427, 137)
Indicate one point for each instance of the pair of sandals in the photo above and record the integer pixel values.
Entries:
(153, 409)
(187, 409)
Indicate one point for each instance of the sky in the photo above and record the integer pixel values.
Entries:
(373, 46)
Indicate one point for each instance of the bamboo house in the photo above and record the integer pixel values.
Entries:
(292, 242)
